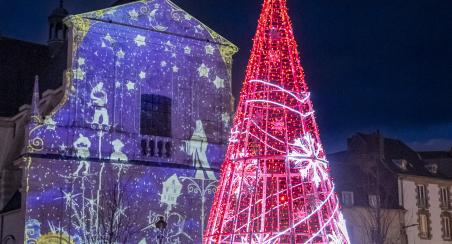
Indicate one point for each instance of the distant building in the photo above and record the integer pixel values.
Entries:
(408, 192)
(20, 61)
(138, 130)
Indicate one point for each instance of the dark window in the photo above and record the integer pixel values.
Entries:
(155, 115)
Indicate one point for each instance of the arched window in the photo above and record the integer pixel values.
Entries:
(155, 115)
(9, 239)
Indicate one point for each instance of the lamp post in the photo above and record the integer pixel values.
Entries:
(161, 226)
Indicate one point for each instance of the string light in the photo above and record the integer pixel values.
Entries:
(275, 185)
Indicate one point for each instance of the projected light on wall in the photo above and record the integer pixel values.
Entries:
(140, 132)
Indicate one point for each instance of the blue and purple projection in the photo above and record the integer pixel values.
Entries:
(140, 132)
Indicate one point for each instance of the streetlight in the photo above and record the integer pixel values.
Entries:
(161, 226)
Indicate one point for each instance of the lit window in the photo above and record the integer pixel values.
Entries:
(347, 198)
(423, 225)
(422, 196)
(374, 200)
(155, 115)
(444, 191)
(446, 227)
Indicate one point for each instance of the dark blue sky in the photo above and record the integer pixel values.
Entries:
(370, 64)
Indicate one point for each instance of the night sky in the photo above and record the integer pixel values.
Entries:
(371, 64)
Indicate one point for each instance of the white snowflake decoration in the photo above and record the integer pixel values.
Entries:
(308, 157)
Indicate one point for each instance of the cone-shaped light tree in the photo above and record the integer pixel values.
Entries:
(275, 185)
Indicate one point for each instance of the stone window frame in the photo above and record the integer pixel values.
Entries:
(428, 235)
(441, 204)
(427, 197)
(443, 215)
(350, 193)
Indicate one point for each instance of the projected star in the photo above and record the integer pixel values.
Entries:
(209, 49)
(187, 50)
(120, 53)
(79, 74)
(175, 69)
(203, 71)
(218, 82)
(133, 14)
(140, 40)
(130, 86)
(109, 38)
(81, 61)
(142, 75)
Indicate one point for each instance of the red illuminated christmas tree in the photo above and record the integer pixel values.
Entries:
(275, 185)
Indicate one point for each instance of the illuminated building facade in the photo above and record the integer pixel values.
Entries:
(139, 133)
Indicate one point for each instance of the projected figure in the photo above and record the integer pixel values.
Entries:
(117, 153)
(99, 102)
(170, 192)
(82, 145)
(197, 147)
(32, 231)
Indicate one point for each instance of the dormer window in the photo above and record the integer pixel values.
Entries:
(401, 163)
(432, 168)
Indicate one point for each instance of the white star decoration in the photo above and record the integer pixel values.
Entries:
(133, 14)
(187, 50)
(203, 71)
(120, 53)
(130, 85)
(218, 82)
(163, 64)
(79, 74)
(140, 40)
(81, 61)
(169, 46)
(117, 84)
(51, 124)
(63, 147)
(175, 69)
(209, 49)
(142, 75)
(109, 38)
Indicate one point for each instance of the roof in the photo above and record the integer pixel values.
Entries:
(20, 62)
(121, 2)
(177, 19)
(436, 154)
(393, 151)
(359, 161)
